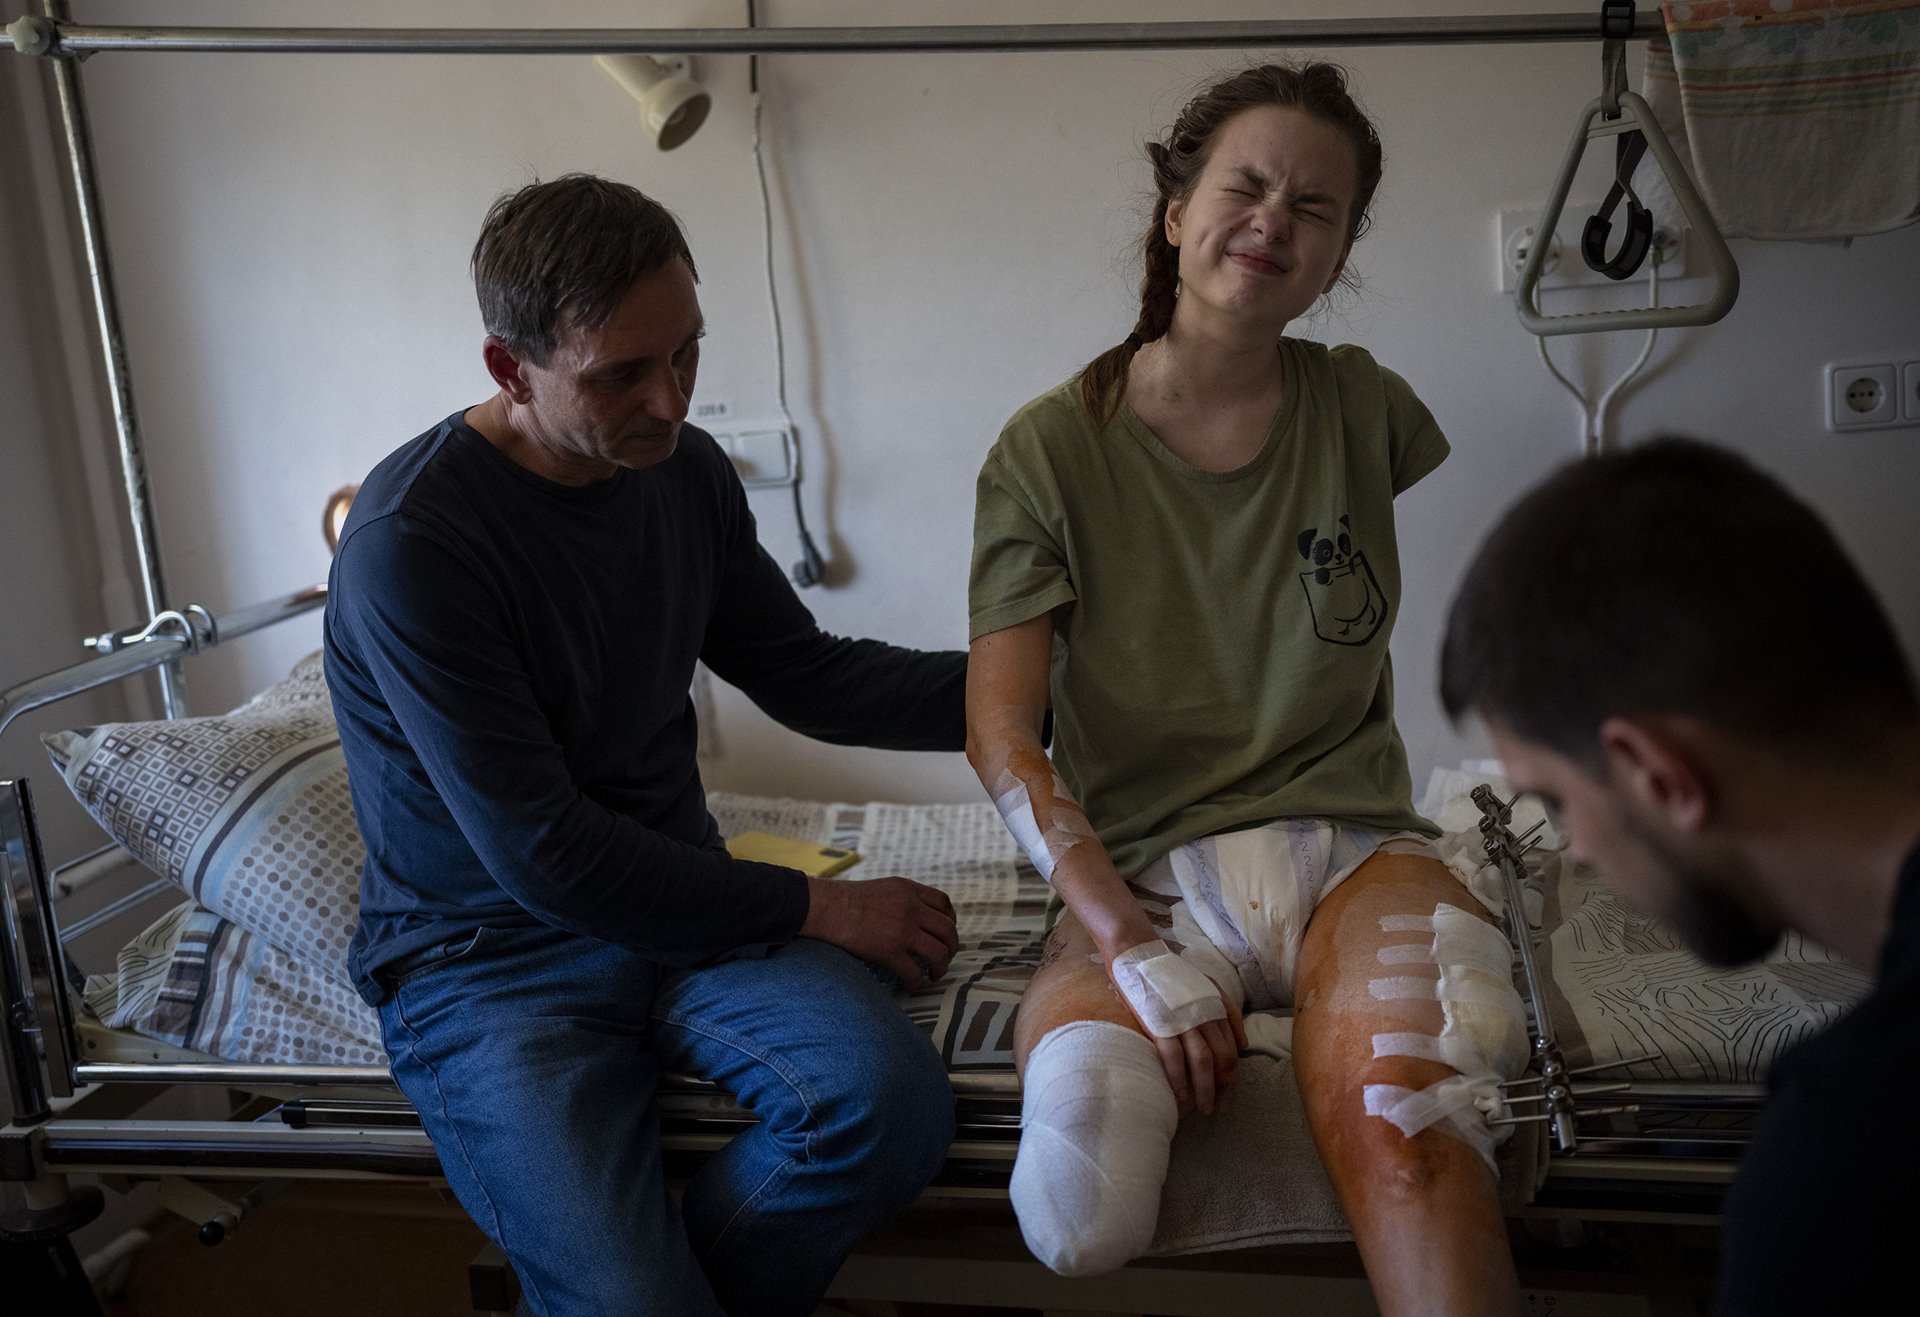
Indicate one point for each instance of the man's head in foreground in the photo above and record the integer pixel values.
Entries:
(1675, 654)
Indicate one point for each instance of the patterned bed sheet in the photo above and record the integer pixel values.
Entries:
(201, 981)
(1623, 986)
(1619, 985)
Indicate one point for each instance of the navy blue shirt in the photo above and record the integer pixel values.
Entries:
(1820, 1218)
(510, 661)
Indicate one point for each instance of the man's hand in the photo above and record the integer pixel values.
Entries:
(906, 926)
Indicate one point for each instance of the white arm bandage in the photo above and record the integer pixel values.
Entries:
(1169, 995)
(1067, 827)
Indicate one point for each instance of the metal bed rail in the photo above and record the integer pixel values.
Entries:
(40, 1047)
(57, 38)
(174, 635)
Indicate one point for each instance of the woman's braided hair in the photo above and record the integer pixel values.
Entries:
(1319, 89)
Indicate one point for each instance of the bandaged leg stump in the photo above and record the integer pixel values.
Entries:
(1097, 1120)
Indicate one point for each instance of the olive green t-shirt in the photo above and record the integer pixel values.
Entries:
(1220, 638)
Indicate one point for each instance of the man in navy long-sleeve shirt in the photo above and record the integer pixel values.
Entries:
(548, 918)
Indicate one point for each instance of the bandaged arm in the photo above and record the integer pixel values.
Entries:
(1007, 690)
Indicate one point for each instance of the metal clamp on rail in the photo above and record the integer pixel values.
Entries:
(33, 35)
(192, 624)
(1555, 1093)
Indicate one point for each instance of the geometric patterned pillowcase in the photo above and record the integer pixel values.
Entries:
(197, 980)
(247, 811)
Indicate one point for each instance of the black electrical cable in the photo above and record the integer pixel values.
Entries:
(811, 570)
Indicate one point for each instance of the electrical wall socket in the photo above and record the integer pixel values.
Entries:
(1872, 395)
(762, 454)
(1513, 235)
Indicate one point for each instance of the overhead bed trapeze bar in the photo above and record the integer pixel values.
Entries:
(45, 37)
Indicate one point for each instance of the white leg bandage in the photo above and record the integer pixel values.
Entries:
(1484, 1037)
(1045, 842)
(1097, 1120)
(1169, 995)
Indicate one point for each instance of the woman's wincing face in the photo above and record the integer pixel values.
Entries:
(1265, 231)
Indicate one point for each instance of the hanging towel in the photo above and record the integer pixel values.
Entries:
(1798, 119)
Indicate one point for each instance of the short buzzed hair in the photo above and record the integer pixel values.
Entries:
(563, 253)
(1673, 578)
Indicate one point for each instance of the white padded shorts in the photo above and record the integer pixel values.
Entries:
(1240, 901)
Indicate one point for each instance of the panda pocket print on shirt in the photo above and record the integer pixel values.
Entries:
(1347, 603)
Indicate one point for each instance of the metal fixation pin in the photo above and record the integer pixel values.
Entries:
(1490, 805)
(1548, 1115)
(1586, 1069)
(1577, 1090)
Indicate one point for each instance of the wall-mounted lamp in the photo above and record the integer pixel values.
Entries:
(672, 105)
(334, 519)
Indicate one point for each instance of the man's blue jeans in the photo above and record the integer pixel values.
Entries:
(532, 1056)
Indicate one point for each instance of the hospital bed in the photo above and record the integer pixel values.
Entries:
(1647, 1066)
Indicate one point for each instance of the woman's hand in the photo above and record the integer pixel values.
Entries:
(1199, 1060)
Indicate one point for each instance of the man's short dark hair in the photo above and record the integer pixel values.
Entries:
(1673, 578)
(563, 253)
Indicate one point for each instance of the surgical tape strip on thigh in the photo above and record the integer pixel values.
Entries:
(1068, 828)
(1411, 953)
(1169, 995)
(1485, 1020)
(1484, 1037)
(1456, 1105)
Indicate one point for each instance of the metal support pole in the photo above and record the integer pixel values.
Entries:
(1272, 34)
(106, 308)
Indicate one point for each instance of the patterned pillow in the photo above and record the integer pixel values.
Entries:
(248, 811)
(197, 980)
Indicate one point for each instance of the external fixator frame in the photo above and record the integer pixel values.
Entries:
(1550, 1091)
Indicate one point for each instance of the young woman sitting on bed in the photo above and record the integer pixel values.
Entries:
(1189, 551)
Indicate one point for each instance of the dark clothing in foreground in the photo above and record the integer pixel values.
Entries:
(1820, 1217)
(510, 660)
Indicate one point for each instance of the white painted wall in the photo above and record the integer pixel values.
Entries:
(953, 237)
